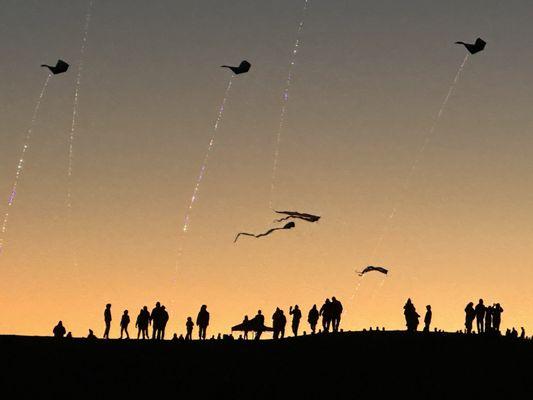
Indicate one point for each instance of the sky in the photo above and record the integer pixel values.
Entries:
(368, 81)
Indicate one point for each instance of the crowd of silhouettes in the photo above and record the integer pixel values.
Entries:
(488, 318)
(488, 321)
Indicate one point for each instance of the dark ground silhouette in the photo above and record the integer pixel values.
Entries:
(354, 365)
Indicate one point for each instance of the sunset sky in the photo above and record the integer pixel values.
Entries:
(369, 78)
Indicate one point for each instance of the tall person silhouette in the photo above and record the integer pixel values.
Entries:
(202, 321)
(107, 320)
(296, 316)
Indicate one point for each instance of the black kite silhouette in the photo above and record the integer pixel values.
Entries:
(296, 214)
(474, 48)
(243, 67)
(370, 268)
(60, 67)
(288, 225)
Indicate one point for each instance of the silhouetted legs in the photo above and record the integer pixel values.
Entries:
(202, 331)
(480, 325)
(295, 328)
(107, 328)
(124, 329)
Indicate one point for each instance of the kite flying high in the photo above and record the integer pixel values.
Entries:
(60, 67)
(289, 225)
(370, 268)
(243, 67)
(295, 214)
(474, 48)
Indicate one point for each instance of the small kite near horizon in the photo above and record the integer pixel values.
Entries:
(289, 225)
(296, 214)
(243, 67)
(371, 268)
(60, 67)
(475, 47)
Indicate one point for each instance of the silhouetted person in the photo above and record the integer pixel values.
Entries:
(164, 320)
(124, 322)
(139, 325)
(259, 322)
(155, 318)
(522, 333)
(312, 318)
(336, 311)
(107, 320)
(325, 311)
(175, 337)
(427, 318)
(278, 323)
(514, 333)
(59, 330)
(189, 325)
(245, 322)
(496, 316)
(470, 315)
(480, 315)
(91, 335)
(202, 321)
(411, 316)
(296, 316)
(488, 319)
(69, 335)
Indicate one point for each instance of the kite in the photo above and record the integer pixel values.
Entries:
(296, 214)
(478, 46)
(243, 67)
(370, 268)
(289, 225)
(60, 67)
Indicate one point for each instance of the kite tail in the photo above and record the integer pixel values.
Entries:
(283, 219)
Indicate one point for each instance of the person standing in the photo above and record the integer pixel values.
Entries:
(202, 321)
(124, 322)
(427, 318)
(164, 320)
(336, 311)
(480, 316)
(325, 312)
(107, 320)
(496, 317)
(258, 322)
(155, 318)
(189, 325)
(296, 316)
(312, 318)
(470, 315)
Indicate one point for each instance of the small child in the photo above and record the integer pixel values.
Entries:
(189, 324)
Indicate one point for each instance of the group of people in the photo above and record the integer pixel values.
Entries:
(488, 318)
(330, 311)
(412, 317)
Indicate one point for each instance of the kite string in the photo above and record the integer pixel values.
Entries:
(22, 161)
(410, 174)
(203, 169)
(417, 159)
(194, 197)
(74, 123)
(285, 99)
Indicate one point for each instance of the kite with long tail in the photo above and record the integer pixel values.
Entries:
(296, 214)
(371, 268)
(289, 225)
